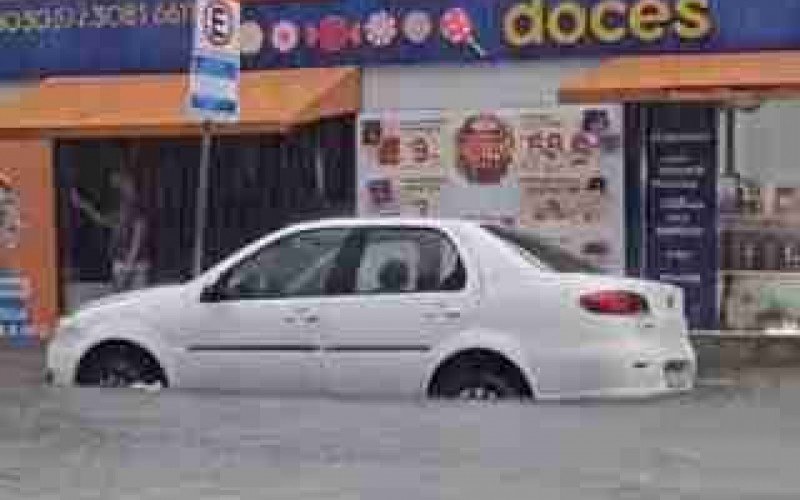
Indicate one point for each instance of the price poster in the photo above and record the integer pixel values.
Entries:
(400, 166)
(558, 171)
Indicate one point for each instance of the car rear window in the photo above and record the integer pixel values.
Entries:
(552, 256)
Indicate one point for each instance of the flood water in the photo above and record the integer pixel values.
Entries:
(722, 442)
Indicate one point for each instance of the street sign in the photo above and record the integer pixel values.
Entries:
(215, 63)
(213, 91)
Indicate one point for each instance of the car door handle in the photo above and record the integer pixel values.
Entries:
(302, 315)
(446, 313)
(451, 314)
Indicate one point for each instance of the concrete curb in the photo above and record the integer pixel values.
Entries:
(746, 351)
(21, 365)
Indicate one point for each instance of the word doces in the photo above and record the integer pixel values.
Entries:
(538, 22)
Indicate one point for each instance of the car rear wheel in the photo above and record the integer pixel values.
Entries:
(119, 365)
(479, 377)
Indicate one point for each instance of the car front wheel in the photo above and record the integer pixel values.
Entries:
(119, 365)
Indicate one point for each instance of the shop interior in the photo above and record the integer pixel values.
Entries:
(759, 217)
(126, 207)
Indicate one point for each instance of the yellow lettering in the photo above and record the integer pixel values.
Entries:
(29, 21)
(167, 13)
(144, 14)
(188, 13)
(608, 21)
(571, 34)
(65, 17)
(46, 19)
(523, 24)
(128, 15)
(114, 15)
(100, 17)
(12, 21)
(647, 20)
(85, 18)
(694, 19)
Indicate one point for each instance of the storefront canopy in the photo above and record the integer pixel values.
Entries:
(696, 77)
(150, 105)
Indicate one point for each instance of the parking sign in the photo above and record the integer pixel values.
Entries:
(215, 64)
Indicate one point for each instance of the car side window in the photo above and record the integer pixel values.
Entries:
(408, 260)
(298, 265)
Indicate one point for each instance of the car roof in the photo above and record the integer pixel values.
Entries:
(385, 221)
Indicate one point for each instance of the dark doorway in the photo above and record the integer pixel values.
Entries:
(258, 183)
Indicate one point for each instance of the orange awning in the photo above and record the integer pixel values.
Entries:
(271, 101)
(688, 77)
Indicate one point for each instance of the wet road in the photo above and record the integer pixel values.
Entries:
(719, 443)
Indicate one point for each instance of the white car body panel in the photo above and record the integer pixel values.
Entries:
(392, 344)
(219, 346)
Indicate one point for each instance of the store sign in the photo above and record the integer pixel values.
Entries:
(557, 171)
(109, 36)
(214, 74)
(681, 200)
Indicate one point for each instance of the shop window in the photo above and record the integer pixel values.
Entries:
(759, 220)
(126, 207)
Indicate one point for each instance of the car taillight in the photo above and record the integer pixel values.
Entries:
(614, 302)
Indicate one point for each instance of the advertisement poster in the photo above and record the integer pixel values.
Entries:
(400, 165)
(28, 281)
(558, 171)
(681, 218)
(15, 321)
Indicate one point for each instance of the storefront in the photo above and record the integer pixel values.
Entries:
(610, 126)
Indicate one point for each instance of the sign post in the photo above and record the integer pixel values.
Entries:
(213, 92)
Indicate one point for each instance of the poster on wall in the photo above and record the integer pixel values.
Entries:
(400, 165)
(557, 171)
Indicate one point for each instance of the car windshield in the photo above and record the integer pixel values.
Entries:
(531, 245)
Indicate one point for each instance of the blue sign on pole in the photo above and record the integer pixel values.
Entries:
(214, 70)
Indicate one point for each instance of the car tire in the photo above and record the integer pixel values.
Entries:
(119, 365)
(476, 379)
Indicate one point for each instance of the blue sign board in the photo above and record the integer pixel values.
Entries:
(44, 37)
(214, 72)
(681, 200)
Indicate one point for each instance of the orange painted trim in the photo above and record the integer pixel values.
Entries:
(687, 77)
(155, 105)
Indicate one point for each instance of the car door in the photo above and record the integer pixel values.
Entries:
(258, 327)
(411, 293)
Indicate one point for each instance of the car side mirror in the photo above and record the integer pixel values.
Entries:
(211, 293)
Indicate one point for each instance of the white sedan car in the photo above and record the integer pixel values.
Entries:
(389, 307)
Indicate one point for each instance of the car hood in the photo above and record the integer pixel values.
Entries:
(133, 302)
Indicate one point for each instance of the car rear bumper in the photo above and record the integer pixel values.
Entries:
(622, 371)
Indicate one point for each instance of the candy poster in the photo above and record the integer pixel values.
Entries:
(558, 171)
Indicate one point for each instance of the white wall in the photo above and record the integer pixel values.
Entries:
(768, 143)
(474, 86)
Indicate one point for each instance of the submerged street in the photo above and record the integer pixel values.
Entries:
(721, 442)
